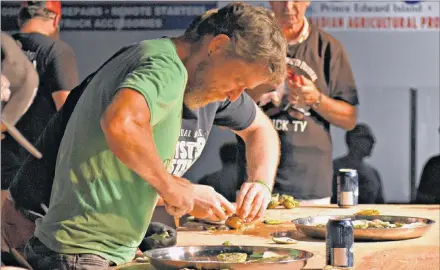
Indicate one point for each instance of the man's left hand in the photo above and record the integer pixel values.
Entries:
(252, 201)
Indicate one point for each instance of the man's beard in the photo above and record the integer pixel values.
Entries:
(197, 93)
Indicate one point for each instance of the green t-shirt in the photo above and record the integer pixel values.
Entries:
(98, 205)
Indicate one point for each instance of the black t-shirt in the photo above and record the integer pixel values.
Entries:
(32, 184)
(197, 124)
(56, 66)
(305, 169)
(370, 183)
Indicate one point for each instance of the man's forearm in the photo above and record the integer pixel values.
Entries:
(338, 113)
(262, 150)
(262, 155)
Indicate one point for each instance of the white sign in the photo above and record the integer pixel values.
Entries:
(376, 16)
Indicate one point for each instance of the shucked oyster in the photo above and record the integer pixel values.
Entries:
(234, 222)
(290, 203)
(232, 257)
(285, 197)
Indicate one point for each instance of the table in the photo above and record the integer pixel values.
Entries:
(415, 254)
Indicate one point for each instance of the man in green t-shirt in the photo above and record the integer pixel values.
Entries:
(113, 158)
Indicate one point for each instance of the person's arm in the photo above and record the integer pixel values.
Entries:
(127, 129)
(262, 149)
(246, 120)
(262, 156)
(338, 107)
(145, 97)
(337, 112)
(62, 65)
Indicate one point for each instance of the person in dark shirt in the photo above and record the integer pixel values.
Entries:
(428, 191)
(224, 181)
(55, 64)
(360, 142)
(326, 91)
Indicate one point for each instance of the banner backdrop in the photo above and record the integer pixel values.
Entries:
(376, 16)
(117, 16)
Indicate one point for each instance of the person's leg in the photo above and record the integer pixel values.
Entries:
(42, 258)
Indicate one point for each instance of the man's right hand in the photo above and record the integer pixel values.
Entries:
(179, 197)
(211, 205)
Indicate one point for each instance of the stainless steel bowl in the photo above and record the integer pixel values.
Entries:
(205, 257)
(306, 226)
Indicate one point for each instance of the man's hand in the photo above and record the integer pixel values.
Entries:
(208, 204)
(303, 90)
(179, 199)
(338, 112)
(158, 236)
(252, 201)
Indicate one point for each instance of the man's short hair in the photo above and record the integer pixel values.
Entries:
(43, 9)
(255, 34)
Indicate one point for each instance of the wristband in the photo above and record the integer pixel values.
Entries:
(264, 184)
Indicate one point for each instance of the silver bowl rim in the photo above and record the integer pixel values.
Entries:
(309, 254)
(428, 223)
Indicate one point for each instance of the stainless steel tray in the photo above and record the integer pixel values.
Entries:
(304, 225)
(205, 257)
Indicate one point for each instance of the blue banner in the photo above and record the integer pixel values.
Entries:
(117, 16)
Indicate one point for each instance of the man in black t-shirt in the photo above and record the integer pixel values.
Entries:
(324, 87)
(55, 64)
(360, 142)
